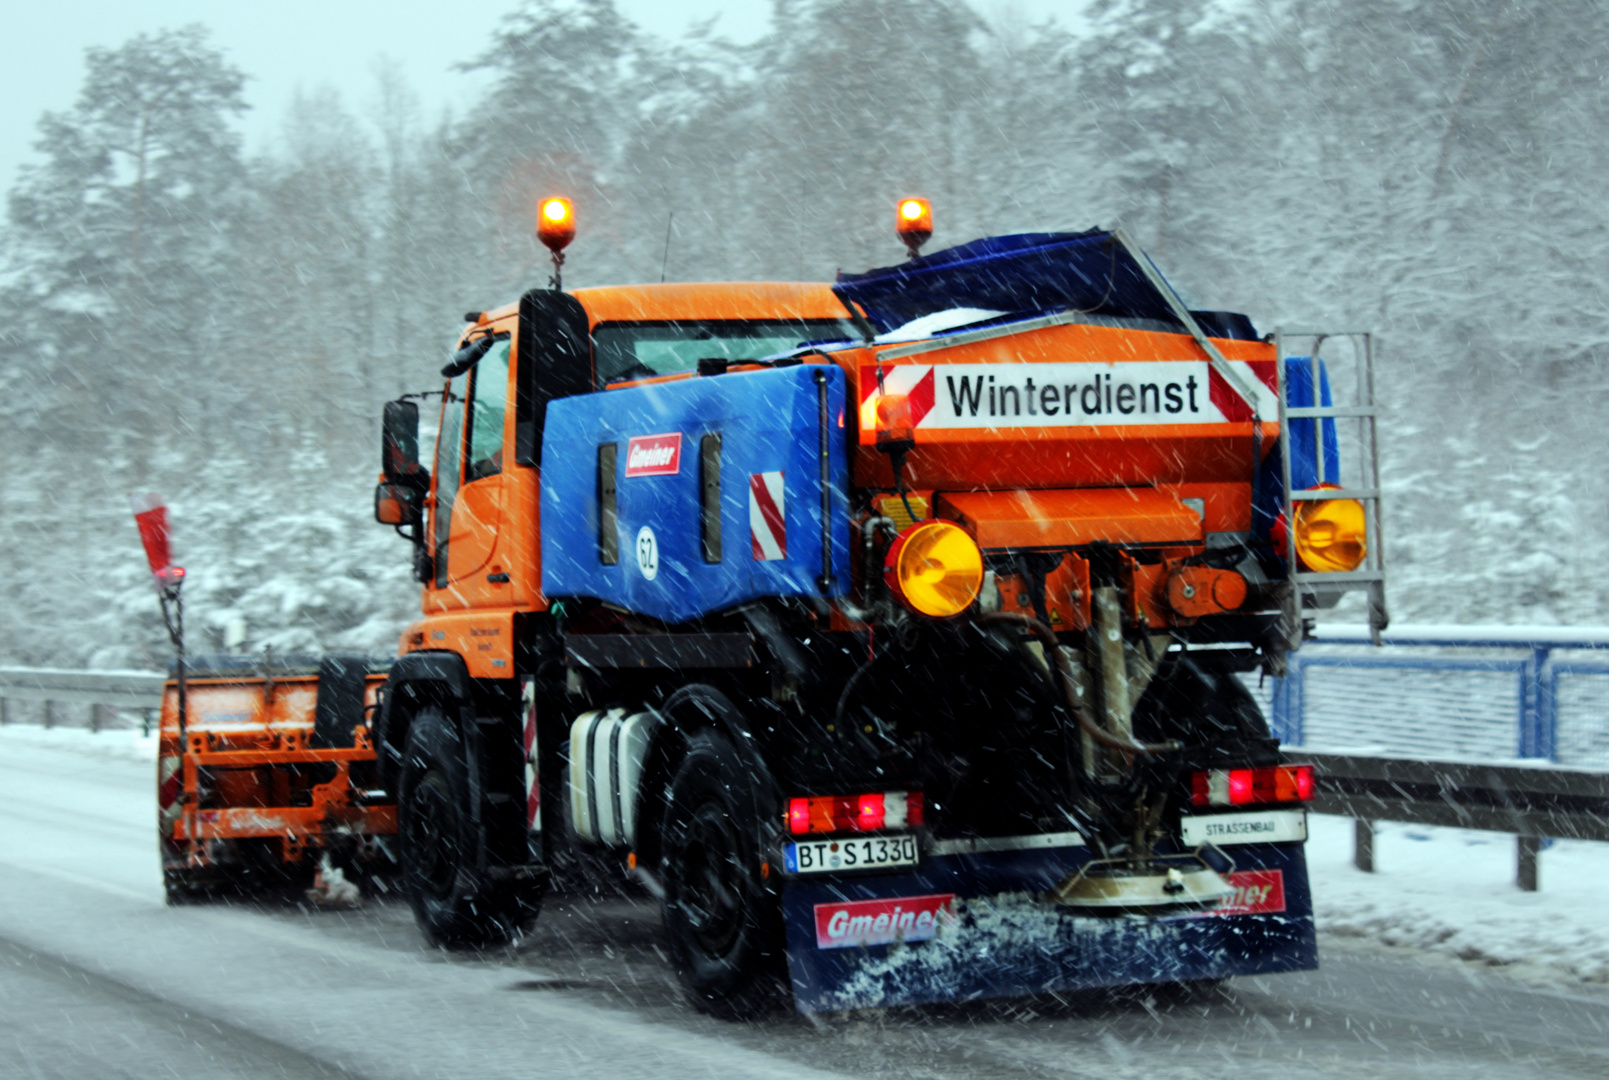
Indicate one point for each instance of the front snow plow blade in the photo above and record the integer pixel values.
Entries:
(272, 772)
(974, 923)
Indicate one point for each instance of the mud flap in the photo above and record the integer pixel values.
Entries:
(339, 707)
(968, 927)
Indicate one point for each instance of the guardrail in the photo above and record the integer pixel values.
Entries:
(1532, 800)
(1458, 661)
(103, 691)
(1471, 696)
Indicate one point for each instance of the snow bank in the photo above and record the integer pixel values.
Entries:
(123, 744)
(1452, 891)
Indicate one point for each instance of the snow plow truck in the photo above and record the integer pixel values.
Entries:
(891, 632)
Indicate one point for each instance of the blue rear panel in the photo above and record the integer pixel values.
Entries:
(1303, 390)
(769, 423)
(1005, 942)
(1306, 385)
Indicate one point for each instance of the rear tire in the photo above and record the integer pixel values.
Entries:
(724, 924)
(455, 902)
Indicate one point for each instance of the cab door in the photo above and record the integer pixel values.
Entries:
(470, 481)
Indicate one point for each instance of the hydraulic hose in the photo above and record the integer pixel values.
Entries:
(873, 610)
(1063, 670)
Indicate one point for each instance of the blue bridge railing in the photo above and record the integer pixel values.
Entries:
(1481, 692)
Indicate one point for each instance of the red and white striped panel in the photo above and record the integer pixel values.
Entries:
(533, 791)
(768, 532)
(169, 783)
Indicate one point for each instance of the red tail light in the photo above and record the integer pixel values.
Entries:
(914, 812)
(1246, 787)
(872, 812)
(870, 816)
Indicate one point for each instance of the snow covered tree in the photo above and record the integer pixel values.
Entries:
(865, 101)
(567, 85)
(309, 286)
(122, 234)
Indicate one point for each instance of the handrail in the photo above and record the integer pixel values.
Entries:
(1496, 637)
(1532, 661)
(125, 689)
(1530, 800)
(103, 691)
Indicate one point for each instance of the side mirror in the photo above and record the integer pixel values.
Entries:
(398, 504)
(399, 447)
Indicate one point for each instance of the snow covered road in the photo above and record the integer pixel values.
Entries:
(99, 978)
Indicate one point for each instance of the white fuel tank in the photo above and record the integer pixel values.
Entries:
(607, 751)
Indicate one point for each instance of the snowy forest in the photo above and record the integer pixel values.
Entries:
(180, 317)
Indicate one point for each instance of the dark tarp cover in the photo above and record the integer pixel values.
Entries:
(1027, 273)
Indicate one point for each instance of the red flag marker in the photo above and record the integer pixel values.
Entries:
(151, 515)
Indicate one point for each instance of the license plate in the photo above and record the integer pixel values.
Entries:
(860, 853)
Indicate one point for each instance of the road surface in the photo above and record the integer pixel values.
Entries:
(99, 978)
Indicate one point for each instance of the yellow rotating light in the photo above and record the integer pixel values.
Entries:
(935, 568)
(555, 223)
(1331, 535)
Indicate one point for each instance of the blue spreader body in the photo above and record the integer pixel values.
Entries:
(769, 422)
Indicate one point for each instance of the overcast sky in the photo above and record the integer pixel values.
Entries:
(288, 44)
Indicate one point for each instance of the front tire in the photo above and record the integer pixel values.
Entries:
(456, 903)
(723, 922)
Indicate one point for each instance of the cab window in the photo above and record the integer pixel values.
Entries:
(488, 402)
(449, 447)
(641, 350)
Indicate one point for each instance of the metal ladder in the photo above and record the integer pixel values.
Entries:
(1308, 588)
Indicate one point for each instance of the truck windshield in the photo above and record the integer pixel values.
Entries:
(641, 350)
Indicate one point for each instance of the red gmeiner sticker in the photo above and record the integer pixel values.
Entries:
(1257, 892)
(654, 455)
(882, 922)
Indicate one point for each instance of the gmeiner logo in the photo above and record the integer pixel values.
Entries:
(654, 455)
(648, 457)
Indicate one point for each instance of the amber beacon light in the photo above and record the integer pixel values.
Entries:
(1331, 534)
(555, 223)
(913, 220)
(555, 227)
(935, 568)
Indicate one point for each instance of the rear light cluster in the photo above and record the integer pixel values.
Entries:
(1245, 787)
(855, 813)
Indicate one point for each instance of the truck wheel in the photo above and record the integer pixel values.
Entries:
(455, 904)
(724, 925)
